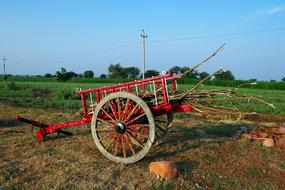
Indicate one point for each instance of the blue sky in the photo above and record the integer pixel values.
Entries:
(39, 37)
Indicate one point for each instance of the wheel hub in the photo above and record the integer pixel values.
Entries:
(120, 127)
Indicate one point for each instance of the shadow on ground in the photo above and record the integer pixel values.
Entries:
(182, 139)
(186, 167)
(6, 123)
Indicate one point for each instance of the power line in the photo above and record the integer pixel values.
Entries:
(91, 52)
(167, 40)
(219, 35)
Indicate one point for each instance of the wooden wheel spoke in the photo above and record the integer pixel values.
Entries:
(129, 143)
(137, 142)
(113, 111)
(103, 129)
(131, 113)
(108, 115)
(105, 136)
(104, 121)
(126, 105)
(117, 144)
(136, 118)
(138, 133)
(123, 146)
(119, 107)
(142, 126)
(111, 142)
(160, 128)
(124, 109)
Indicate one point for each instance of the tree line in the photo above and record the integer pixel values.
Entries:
(118, 71)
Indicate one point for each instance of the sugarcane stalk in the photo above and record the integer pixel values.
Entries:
(203, 62)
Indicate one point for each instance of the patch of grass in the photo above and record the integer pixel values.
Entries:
(239, 182)
(65, 94)
(12, 86)
(11, 172)
(50, 151)
(253, 171)
(260, 185)
(216, 181)
(169, 185)
(41, 92)
(209, 158)
(281, 165)
(276, 97)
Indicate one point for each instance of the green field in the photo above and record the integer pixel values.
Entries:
(275, 97)
(60, 95)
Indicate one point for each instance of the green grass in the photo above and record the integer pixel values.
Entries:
(282, 165)
(60, 95)
(184, 80)
(44, 94)
(275, 97)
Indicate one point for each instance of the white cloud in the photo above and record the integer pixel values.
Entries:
(275, 10)
(257, 14)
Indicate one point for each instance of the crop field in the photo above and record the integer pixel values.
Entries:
(60, 95)
(206, 152)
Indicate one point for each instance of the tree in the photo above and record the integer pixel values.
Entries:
(193, 75)
(71, 74)
(227, 75)
(283, 79)
(253, 80)
(103, 76)
(132, 72)
(175, 69)
(204, 75)
(151, 73)
(116, 71)
(48, 75)
(88, 74)
(60, 74)
(63, 75)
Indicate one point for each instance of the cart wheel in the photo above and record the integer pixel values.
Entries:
(164, 124)
(123, 127)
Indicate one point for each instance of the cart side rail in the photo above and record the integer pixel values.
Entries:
(156, 86)
(131, 84)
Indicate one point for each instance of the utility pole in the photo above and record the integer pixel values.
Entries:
(143, 35)
(4, 66)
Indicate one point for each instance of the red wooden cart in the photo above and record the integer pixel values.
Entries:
(122, 116)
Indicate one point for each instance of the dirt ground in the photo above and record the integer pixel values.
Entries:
(205, 153)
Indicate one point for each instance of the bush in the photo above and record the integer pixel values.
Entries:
(88, 74)
(236, 83)
(65, 94)
(12, 86)
(63, 75)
